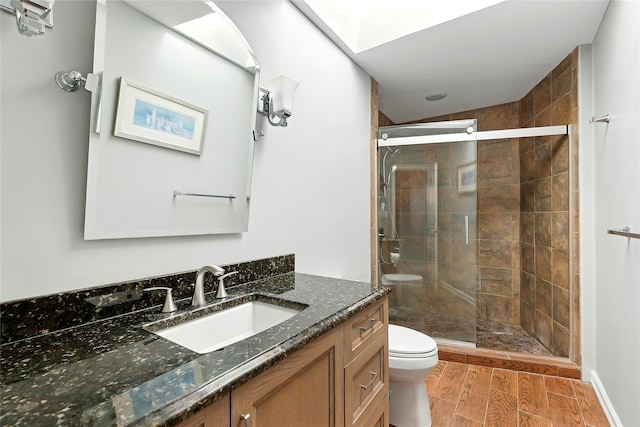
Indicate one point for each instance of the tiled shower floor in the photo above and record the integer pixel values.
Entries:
(439, 313)
(507, 338)
(489, 335)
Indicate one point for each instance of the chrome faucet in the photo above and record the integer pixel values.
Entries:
(198, 292)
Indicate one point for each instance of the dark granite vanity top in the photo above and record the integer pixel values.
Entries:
(113, 372)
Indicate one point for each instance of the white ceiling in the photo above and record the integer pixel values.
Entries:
(480, 52)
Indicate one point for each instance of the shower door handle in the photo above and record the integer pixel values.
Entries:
(466, 229)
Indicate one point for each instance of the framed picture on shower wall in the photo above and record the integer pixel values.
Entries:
(149, 116)
(467, 177)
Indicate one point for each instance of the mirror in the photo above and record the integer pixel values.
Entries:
(171, 145)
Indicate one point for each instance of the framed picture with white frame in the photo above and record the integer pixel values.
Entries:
(149, 116)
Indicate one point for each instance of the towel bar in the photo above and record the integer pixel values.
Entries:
(625, 232)
(604, 119)
(177, 193)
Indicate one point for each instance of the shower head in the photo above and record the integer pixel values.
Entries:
(384, 163)
(391, 171)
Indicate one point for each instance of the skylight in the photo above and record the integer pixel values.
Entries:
(364, 24)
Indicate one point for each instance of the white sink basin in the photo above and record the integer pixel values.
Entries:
(222, 328)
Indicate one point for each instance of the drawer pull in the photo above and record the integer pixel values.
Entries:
(247, 419)
(364, 330)
(374, 375)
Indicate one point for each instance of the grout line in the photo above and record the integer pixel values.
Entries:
(466, 372)
(486, 409)
(455, 409)
(584, 421)
(546, 395)
(435, 387)
(518, 399)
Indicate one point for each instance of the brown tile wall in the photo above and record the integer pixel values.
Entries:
(544, 233)
(498, 209)
(498, 291)
(456, 259)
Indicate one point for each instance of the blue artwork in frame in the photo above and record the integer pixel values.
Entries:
(467, 177)
(149, 116)
(163, 120)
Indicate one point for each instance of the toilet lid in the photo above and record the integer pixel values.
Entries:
(405, 342)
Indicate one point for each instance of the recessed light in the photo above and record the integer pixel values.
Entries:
(436, 96)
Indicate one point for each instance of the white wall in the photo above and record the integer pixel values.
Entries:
(310, 191)
(612, 307)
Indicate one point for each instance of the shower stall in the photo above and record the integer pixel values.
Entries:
(455, 233)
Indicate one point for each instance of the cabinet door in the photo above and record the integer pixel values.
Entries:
(214, 415)
(366, 381)
(304, 389)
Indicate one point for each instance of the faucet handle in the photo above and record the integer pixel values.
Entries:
(222, 292)
(169, 306)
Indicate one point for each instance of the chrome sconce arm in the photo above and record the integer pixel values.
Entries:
(276, 102)
(267, 110)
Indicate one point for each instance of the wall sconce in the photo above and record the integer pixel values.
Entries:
(32, 16)
(277, 100)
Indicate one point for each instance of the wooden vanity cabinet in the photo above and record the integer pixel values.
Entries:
(305, 389)
(214, 415)
(341, 379)
(379, 416)
(367, 366)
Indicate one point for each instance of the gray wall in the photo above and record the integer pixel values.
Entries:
(609, 179)
(310, 193)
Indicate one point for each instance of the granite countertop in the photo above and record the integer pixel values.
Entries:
(114, 372)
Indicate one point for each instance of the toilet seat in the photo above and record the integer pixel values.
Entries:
(409, 343)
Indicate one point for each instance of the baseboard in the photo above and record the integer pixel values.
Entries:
(607, 407)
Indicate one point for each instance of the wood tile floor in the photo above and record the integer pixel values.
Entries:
(463, 395)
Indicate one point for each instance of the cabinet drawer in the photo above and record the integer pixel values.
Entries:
(366, 381)
(365, 327)
(380, 415)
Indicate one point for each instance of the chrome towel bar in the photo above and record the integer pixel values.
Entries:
(177, 193)
(625, 232)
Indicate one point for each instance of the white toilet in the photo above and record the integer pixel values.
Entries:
(412, 356)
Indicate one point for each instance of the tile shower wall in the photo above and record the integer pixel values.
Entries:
(544, 230)
(498, 231)
(498, 286)
(523, 214)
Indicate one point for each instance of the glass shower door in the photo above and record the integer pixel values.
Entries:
(427, 227)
